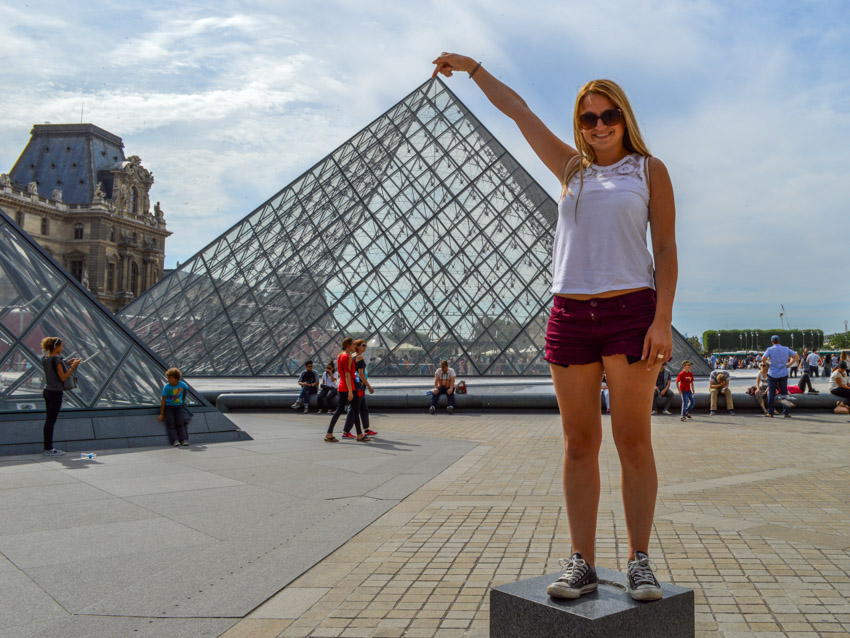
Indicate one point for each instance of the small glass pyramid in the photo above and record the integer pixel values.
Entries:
(421, 234)
(38, 299)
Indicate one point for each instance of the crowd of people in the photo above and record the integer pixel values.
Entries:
(775, 366)
(811, 362)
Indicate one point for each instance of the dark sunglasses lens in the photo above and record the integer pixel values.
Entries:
(611, 117)
(587, 120)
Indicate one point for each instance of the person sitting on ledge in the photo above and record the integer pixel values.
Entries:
(718, 383)
(663, 393)
(309, 382)
(805, 382)
(444, 383)
(838, 384)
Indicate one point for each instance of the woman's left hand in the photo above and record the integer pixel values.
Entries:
(658, 343)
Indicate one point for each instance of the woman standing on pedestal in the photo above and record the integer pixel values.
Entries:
(612, 307)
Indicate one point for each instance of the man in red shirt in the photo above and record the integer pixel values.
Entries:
(685, 385)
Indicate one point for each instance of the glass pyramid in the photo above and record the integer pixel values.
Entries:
(39, 299)
(421, 234)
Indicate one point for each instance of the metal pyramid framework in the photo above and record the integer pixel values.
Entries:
(421, 234)
(39, 299)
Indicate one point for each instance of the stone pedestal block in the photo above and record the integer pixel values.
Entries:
(524, 610)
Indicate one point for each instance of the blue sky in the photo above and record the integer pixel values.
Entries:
(748, 104)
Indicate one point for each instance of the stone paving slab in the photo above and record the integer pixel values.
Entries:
(187, 541)
(752, 514)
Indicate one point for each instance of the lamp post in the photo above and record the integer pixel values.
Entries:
(718, 341)
(792, 340)
(740, 342)
(757, 339)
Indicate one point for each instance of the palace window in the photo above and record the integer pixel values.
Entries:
(112, 233)
(134, 201)
(44, 227)
(110, 278)
(78, 231)
(19, 218)
(134, 278)
(77, 269)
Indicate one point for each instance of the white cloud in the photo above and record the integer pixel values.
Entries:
(747, 105)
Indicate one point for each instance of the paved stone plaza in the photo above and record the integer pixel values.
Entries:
(752, 514)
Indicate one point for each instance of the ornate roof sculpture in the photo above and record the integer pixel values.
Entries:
(421, 230)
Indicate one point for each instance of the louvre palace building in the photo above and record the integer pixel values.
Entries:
(88, 206)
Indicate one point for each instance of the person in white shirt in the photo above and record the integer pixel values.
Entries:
(813, 360)
(444, 383)
(328, 391)
(838, 383)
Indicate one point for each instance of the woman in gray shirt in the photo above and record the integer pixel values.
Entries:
(55, 374)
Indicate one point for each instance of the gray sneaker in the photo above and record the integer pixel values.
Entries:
(432, 410)
(450, 409)
(53, 452)
(578, 578)
(667, 412)
(642, 582)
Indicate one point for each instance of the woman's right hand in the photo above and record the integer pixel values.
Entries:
(446, 63)
(350, 395)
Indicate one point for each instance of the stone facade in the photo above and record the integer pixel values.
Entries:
(88, 205)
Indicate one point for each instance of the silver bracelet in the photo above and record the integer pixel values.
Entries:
(471, 73)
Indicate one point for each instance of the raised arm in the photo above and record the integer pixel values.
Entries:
(552, 151)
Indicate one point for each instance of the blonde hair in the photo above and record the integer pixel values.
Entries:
(359, 342)
(346, 342)
(48, 344)
(173, 373)
(632, 139)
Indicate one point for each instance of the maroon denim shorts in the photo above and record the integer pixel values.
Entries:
(582, 332)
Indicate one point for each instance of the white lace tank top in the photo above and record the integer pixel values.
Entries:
(601, 244)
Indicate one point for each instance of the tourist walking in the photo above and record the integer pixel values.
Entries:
(347, 395)
(56, 377)
(780, 357)
(361, 378)
(612, 314)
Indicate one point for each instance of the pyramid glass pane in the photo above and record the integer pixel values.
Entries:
(39, 299)
(420, 234)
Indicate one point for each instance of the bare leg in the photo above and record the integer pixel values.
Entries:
(631, 389)
(577, 389)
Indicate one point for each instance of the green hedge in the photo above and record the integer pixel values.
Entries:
(730, 340)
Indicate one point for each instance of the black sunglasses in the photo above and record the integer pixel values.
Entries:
(610, 117)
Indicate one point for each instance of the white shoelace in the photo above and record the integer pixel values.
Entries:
(641, 572)
(574, 568)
